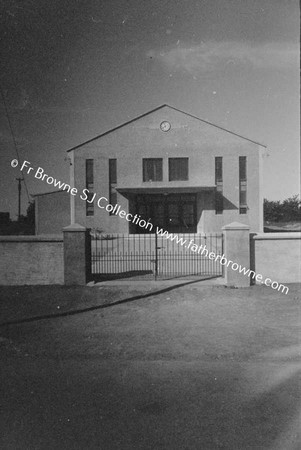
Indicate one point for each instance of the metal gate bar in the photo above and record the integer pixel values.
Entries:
(118, 255)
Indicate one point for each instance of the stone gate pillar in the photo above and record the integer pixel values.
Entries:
(77, 255)
(237, 250)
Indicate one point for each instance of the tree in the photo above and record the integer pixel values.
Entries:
(291, 208)
(287, 211)
(30, 214)
(25, 224)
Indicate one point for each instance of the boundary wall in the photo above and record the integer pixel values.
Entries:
(277, 256)
(30, 260)
(66, 258)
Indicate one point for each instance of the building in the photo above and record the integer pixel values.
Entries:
(52, 212)
(4, 218)
(170, 169)
(5, 223)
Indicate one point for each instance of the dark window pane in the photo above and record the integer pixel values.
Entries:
(243, 196)
(152, 169)
(90, 210)
(112, 183)
(242, 168)
(219, 202)
(90, 186)
(113, 197)
(89, 206)
(219, 199)
(218, 169)
(89, 173)
(178, 169)
(243, 185)
(112, 170)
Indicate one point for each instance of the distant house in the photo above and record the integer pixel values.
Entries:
(169, 169)
(4, 218)
(52, 212)
(4, 222)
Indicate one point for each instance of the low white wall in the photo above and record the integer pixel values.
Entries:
(278, 256)
(31, 260)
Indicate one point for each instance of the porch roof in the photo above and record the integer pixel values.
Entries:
(164, 189)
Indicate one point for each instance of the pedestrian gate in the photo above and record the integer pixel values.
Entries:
(151, 256)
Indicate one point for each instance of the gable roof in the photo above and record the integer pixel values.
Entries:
(152, 111)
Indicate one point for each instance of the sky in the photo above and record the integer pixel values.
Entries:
(72, 69)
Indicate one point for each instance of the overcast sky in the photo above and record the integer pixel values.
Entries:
(71, 69)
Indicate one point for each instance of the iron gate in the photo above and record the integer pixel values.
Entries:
(150, 255)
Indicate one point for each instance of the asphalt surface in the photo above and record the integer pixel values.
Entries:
(191, 367)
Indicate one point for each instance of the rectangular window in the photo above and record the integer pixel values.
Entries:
(90, 186)
(178, 169)
(112, 182)
(243, 208)
(152, 169)
(89, 173)
(219, 199)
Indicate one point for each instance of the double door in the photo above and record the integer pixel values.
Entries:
(175, 213)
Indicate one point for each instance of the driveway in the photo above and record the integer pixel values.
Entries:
(191, 367)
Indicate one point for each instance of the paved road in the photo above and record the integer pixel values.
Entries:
(191, 368)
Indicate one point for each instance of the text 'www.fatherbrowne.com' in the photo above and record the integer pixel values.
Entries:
(203, 251)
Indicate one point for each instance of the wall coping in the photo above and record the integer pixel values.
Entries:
(277, 236)
(236, 226)
(33, 238)
(74, 227)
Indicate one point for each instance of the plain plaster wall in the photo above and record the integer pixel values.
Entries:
(278, 256)
(31, 260)
(52, 212)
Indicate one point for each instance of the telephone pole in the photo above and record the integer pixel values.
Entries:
(19, 197)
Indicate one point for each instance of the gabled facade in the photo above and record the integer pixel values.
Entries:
(169, 169)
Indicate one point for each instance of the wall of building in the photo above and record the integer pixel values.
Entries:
(188, 137)
(277, 256)
(52, 212)
(31, 260)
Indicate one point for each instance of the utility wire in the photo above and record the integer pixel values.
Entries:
(13, 136)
